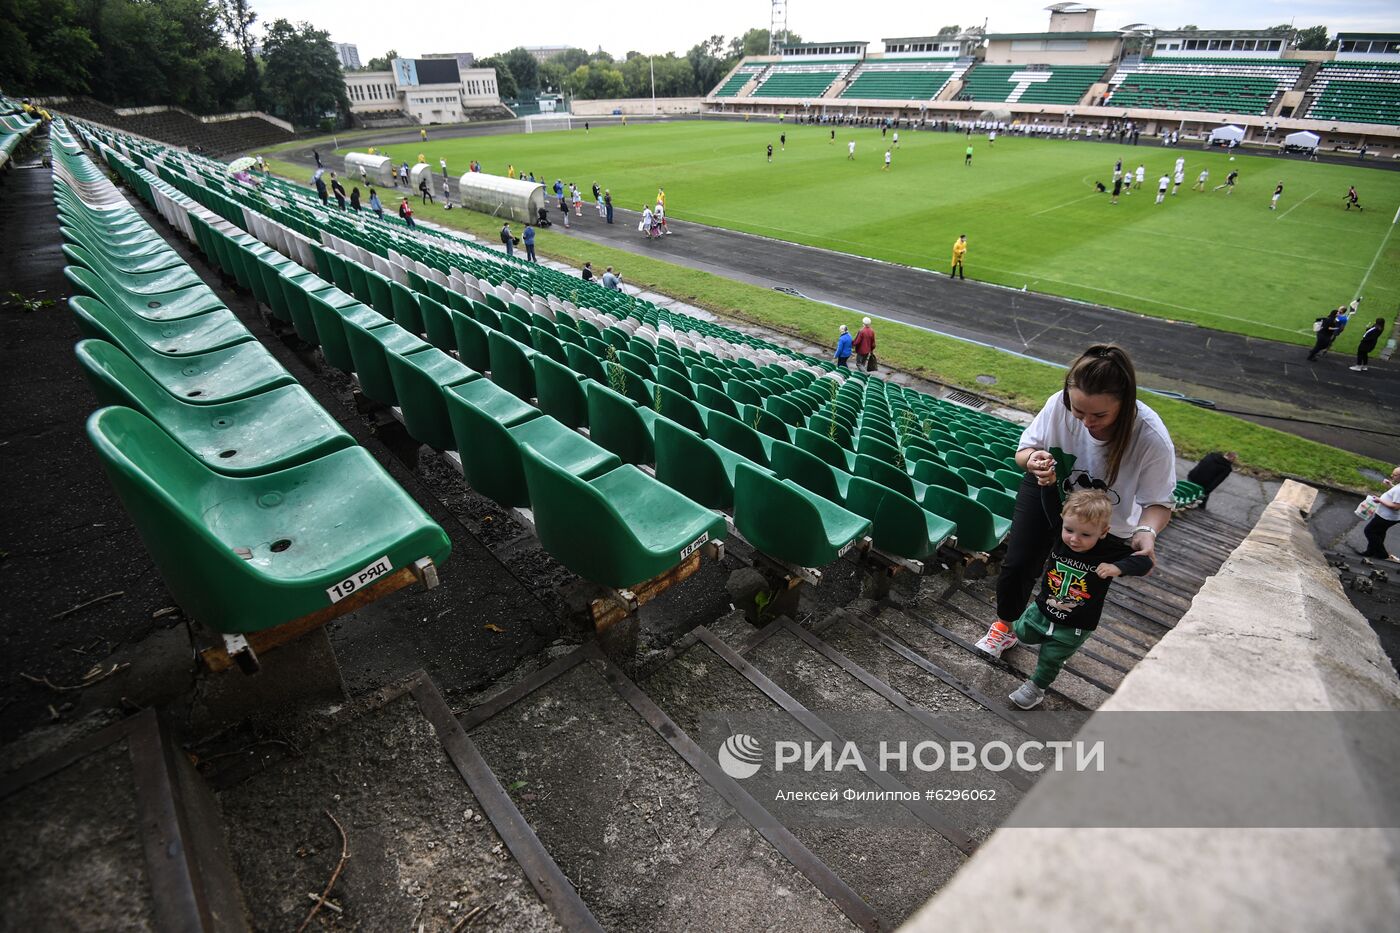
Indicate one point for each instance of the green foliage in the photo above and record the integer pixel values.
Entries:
(595, 82)
(48, 47)
(22, 302)
(506, 85)
(383, 62)
(302, 77)
(524, 67)
(1313, 39)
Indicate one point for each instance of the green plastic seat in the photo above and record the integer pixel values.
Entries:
(242, 554)
(147, 283)
(490, 447)
(934, 473)
(472, 345)
(437, 324)
(785, 521)
(136, 258)
(164, 306)
(823, 447)
(549, 345)
(998, 501)
(263, 433)
(381, 294)
(715, 400)
(511, 368)
(898, 525)
(619, 529)
(742, 392)
(619, 425)
(671, 404)
(809, 471)
(956, 459)
(636, 365)
(297, 289)
(702, 375)
(833, 430)
(696, 467)
(406, 311)
(978, 480)
(183, 337)
(331, 324)
(765, 422)
(890, 476)
(585, 363)
(790, 413)
(559, 392)
(419, 379)
(675, 381)
(370, 346)
(978, 528)
(738, 437)
(516, 330)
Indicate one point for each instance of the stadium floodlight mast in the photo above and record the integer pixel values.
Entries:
(777, 27)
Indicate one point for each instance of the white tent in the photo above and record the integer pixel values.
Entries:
(502, 197)
(1301, 140)
(1226, 134)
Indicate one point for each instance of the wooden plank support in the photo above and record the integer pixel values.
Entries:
(243, 649)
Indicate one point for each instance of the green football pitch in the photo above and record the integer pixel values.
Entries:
(1028, 206)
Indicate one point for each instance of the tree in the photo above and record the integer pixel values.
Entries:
(552, 75)
(1191, 28)
(383, 62)
(524, 67)
(49, 48)
(302, 77)
(505, 81)
(596, 82)
(1313, 39)
(708, 62)
(570, 59)
(949, 31)
(237, 19)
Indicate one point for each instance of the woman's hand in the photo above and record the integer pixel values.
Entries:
(1041, 465)
(1145, 545)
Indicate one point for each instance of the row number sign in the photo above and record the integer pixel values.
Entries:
(360, 579)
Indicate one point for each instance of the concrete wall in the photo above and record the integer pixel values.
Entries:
(1094, 52)
(635, 105)
(1272, 630)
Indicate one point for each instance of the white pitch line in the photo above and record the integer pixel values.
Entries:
(1296, 206)
(1374, 259)
(1066, 204)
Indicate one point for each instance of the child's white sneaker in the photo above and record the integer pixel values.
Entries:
(998, 638)
(1027, 696)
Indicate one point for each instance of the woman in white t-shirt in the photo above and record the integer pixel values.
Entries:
(1387, 516)
(1103, 438)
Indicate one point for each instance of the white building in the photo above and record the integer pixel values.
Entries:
(427, 90)
(349, 55)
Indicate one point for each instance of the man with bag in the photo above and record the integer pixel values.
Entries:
(864, 346)
(1384, 512)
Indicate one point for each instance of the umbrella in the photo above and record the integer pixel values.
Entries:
(241, 165)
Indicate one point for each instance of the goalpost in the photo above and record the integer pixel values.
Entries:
(543, 124)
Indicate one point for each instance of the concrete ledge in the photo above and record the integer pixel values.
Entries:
(1271, 631)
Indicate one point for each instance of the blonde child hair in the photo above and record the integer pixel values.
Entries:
(1091, 505)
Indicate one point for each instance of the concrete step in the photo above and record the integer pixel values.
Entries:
(422, 845)
(630, 821)
(961, 626)
(873, 860)
(115, 831)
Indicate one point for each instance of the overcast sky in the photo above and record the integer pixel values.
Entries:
(485, 27)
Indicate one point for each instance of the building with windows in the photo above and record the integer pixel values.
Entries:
(960, 45)
(349, 54)
(543, 53)
(426, 90)
(1368, 47)
(1220, 43)
(1070, 40)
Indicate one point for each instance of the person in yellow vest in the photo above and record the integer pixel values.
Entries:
(661, 196)
(510, 170)
(421, 159)
(959, 250)
(423, 134)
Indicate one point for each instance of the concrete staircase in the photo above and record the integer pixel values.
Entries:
(584, 796)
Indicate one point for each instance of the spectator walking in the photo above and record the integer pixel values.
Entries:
(529, 237)
(403, 174)
(598, 198)
(578, 201)
(1106, 440)
(1367, 345)
(1387, 516)
(960, 250)
(424, 190)
(645, 225)
(607, 204)
(406, 213)
(611, 279)
(364, 177)
(317, 156)
(1214, 468)
(508, 239)
(442, 163)
(321, 191)
(658, 217)
(338, 190)
(588, 271)
(375, 204)
(1327, 328)
(355, 199)
(864, 345)
(843, 348)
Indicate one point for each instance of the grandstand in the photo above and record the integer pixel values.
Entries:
(1357, 92)
(1215, 84)
(16, 128)
(1031, 84)
(805, 80)
(215, 136)
(908, 79)
(732, 85)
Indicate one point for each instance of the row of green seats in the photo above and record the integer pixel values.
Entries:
(240, 485)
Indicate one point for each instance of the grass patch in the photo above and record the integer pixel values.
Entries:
(1021, 383)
